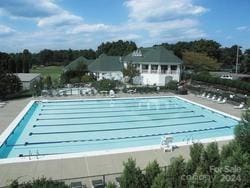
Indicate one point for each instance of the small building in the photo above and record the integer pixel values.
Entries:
(28, 78)
(107, 67)
(157, 65)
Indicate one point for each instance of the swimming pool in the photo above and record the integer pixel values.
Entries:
(73, 126)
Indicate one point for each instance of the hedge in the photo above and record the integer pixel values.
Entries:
(237, 84)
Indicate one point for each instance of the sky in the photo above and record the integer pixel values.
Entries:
(84, 24)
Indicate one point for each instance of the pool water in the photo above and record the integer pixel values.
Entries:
(58, 127)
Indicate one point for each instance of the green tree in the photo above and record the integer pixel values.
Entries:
(26, 59)
(242, 132)
(160, 181)
(195, 153)
(132, 176)
(9, 84)
(118, 48)
(130, 72)
(48, 82)
(175, 172)
(199, 62)
(152, 170)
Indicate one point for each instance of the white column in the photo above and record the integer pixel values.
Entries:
(159, 69)
(149, 68)
(169, 69)
(140, 68)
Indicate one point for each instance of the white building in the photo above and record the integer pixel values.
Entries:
(107, 67)
(157, 65)
(27, 79)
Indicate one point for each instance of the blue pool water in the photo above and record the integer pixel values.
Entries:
(56, 127)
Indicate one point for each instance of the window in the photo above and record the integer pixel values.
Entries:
(164, 69)
(154, 68)
(144, 68)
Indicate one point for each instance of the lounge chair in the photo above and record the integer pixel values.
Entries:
(202, 95)
(98, 183)
(213, 98)
(111, 93)
(77, 184)
(131, 91)
(241, 106)
(166, 143)
(208, 96)
(223, 101)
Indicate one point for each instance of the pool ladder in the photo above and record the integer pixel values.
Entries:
(30, 154)
(188, 139)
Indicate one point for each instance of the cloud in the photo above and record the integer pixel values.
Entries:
(243, 28)
(6, 31)
(62, 19)
(29, 8)
(149, 22)
(159, 10)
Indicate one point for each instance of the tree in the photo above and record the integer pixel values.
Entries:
(9, 84)
(199, 62)
(19, 63)
(195, 153)
(245, 66)
(175, 171)
(160, 181)
(26, 59)
(118, 48)
(130, 71)
(11, 65)
(228, 57)
(242, 132)
(48, 82)
(152, 170)
(132, 176)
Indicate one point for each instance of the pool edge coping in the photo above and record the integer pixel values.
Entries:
(15, 122)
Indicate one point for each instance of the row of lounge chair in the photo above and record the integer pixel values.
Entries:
(220, 99)
(215, 98)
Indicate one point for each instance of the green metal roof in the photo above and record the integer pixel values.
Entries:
(157, 54)
(75, 64)
(106, 63)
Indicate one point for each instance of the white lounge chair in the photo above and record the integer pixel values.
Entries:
(111, 93)
(166, 143)
(223, 101)
(203, 95)
(208, 96)
(240, 106)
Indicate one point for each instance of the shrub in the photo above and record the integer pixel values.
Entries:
(106, 84)
(172, 85)
(39, 183)
(87, 79)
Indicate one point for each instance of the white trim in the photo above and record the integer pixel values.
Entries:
(12, 126)
(15, 122)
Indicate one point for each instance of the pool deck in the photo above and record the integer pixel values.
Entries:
(90, 165)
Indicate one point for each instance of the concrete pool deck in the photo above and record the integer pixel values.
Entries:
(94, 165)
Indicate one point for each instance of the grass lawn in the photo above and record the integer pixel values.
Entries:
(53, 71)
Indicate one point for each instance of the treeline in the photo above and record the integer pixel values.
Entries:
(22, 62)
(193, 53)
(225, 56)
